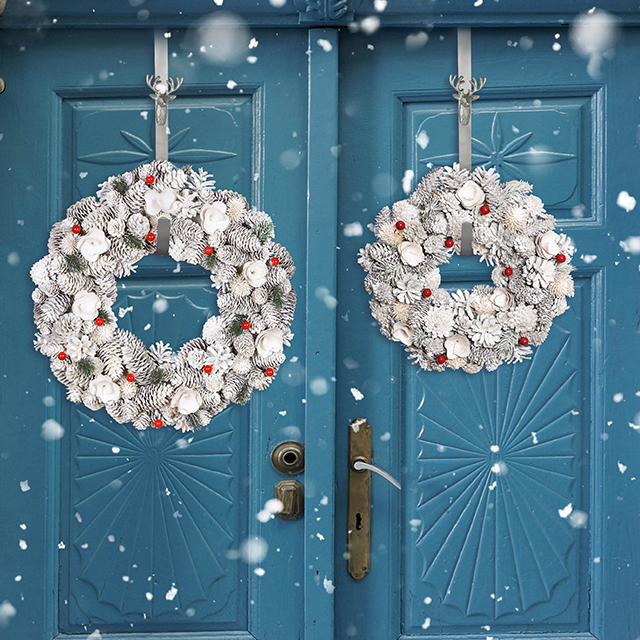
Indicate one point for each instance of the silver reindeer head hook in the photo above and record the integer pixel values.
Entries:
(465, 98)
(162, 95)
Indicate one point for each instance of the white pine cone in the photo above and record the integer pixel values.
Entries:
(237, 208)
(239, 287)
(50, 287)
(259, 295)
(211, 399)
(562, 285)
(213, 382)
(78, 211)
(523, 318)
(67, 326)
(74, 393)
(138, 225)
(91, 402)
(72, 282)
(47, 345)
(242, 364)
(243, 238)
(38, 295)
(128, 389)
(134, 197)
(232, 255)
(52, 308)
(143, 421)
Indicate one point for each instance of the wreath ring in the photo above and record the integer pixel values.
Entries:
(102, 239)
(488, 325)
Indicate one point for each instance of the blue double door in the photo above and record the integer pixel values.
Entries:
(113, 531)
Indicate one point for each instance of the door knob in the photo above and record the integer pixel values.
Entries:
(359, 498)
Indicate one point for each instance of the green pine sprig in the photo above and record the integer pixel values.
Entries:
(244, 394)
(133, 241)
(211, 262)
(263, 231)
(277, 297)
(157, 376)
(86, 367)
(194, 420)
(75, 263)
(187, 168)
(105, 316)
(120, 185)
(236, 326)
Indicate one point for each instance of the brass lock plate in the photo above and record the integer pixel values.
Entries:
(291, 493)
(359, 501)
(288, 457)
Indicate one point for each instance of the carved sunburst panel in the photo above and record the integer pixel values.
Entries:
(497, 457)
(152, 515)
(213, 133)
(546, 142)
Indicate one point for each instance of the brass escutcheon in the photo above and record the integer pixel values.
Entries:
(288, 457)
(291, 494)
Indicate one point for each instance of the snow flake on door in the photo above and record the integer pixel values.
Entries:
(497, 455)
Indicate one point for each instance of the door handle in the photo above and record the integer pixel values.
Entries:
(361, 465)
(359, 498)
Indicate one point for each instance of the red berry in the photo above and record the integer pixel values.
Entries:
(149, 179)
(508, 271)
(561, 257)
(208, 368)
(130, 377)
(208, 250)
(246, 325)
(484, 209)
(275, 261)
(426, 292)
(157, 424)
(151, 237)
(524, 341)
(99, 321)
(62, 356)
(448, 243)
(400, 225)
(269, 372)
(442, 358)
(76, 228)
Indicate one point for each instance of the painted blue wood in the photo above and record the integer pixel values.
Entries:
(185, 507)
(466, 551)
(411, 13)
(322, 203)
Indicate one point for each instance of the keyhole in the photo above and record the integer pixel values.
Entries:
(358, 522)
(290, 457)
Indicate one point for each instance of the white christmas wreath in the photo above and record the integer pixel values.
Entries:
(101, 240)
(488, 325)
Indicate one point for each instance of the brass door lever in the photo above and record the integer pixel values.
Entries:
(359, 498)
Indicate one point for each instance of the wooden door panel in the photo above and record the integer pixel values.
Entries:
(497, 457)
(482, 540)
(152, 531)
(552, 143)
(114, 134)
(155, 517)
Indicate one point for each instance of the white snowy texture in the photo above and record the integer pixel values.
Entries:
(485, 326)
(101, 365)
